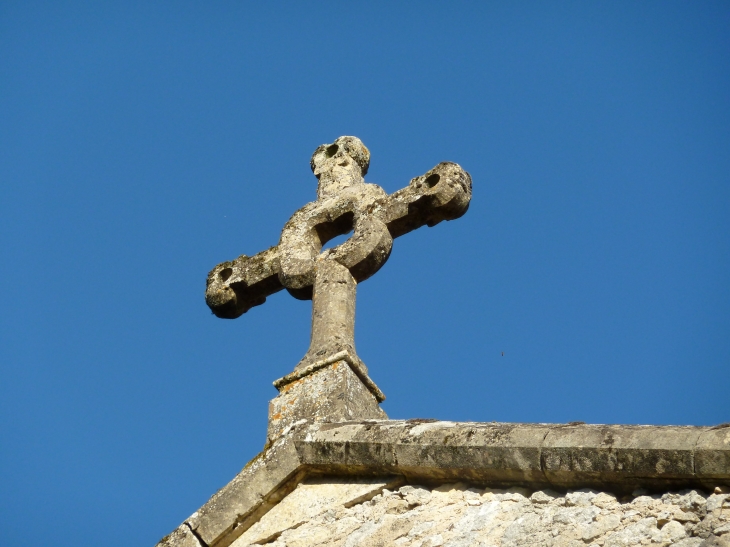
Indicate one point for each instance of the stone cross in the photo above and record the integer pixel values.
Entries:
(345, 203)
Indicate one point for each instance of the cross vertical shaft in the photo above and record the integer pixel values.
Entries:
(333, 311)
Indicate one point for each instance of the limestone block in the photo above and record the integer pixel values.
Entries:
(598, 455)
(333, 393)
(348, 445)
(717, 501)
(600, 527)
(542, 497)
(416, 495)
(712, 456)
(493, 452)
(432, 450)
(311, 498)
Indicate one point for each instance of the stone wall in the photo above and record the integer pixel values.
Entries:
(338, 513)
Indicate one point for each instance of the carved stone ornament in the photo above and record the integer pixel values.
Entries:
(345, 203)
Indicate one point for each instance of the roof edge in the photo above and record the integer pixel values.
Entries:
(616, 458)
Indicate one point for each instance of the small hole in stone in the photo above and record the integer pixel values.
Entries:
(331, 150)
(225, 273)
(432, 180)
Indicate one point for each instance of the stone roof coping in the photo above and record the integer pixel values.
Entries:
(616, 458)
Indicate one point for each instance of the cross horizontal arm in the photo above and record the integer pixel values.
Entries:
(443, 193)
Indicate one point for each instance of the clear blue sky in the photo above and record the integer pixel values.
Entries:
(142, 143)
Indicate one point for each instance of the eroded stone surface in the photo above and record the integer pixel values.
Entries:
(712, 458)
(332, 393)
(596, 453)
(465, 515)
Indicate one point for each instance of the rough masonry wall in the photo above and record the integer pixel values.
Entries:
(457, 515)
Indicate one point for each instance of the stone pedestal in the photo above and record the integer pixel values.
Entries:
(334, 390)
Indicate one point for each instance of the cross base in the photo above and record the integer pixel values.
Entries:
(336, 389)
(357, 366)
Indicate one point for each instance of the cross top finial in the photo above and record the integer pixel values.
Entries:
(343, 163)
(345, 203)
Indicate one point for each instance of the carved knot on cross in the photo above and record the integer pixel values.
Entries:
(345, 203)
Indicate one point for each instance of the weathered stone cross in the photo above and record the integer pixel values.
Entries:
(345, 202)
